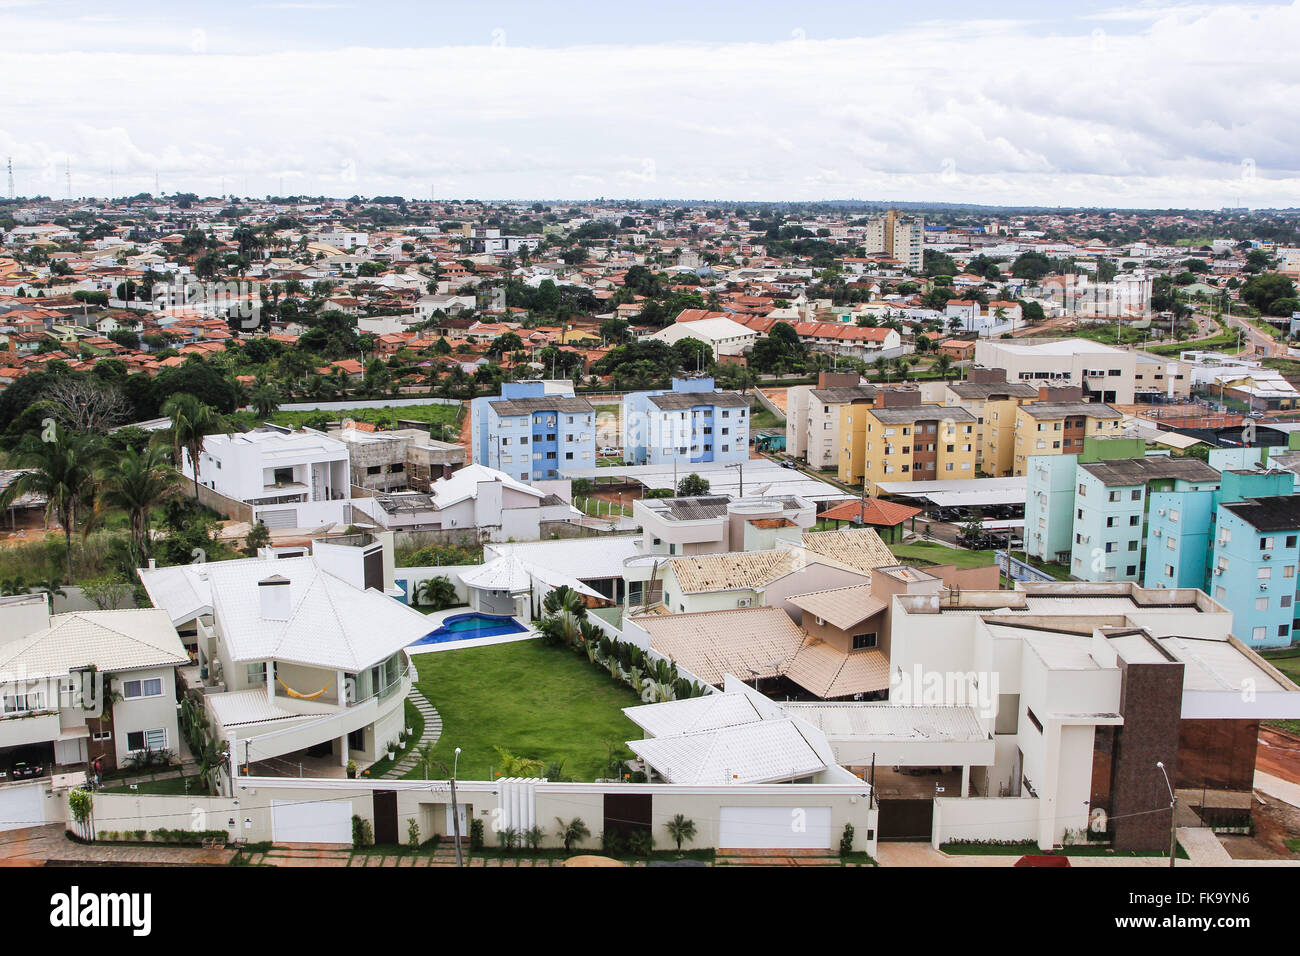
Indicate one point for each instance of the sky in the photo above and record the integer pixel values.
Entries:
(1159, 104)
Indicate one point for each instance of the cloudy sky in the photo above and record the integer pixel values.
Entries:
(1146, 104)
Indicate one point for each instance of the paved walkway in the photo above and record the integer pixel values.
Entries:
(37, 846)
(1277, 788)
(432, 731)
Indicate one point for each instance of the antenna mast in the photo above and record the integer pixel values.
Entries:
(11, 177)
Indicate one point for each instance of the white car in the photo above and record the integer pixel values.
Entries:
(608, 452)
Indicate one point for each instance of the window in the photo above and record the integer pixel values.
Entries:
(1288, 571)
(147, 740)
(1136, 495)
(1131, 570)
(1264, 574)
(1285, 601)
(1169, 570)
(23, 703)
(1134, 520)
(102, 735)
(864, 641)
(1290, 541)
(1283, 630)
(256, 673)
(1133, 545)
(1114, 496)
(1258, 634)
(1083, 491)
(1220, 593)
(1265, 544)
(1261, 604)
(152, 687)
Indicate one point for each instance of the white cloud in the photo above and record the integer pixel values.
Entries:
(992, 111)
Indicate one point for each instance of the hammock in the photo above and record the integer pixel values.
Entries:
(293, 693)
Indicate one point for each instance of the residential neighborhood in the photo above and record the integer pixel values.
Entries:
(346, 521)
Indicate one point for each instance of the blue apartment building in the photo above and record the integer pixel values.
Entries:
(534, 431)
(1110, 518)
(1253, 574)
(691, 424)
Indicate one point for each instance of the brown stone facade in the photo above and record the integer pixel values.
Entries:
(1151, 705)
(1217, 754)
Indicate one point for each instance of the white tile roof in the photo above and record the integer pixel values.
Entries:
(693, 714)
(244, 707)
(764, 751)
(182, 591)
(111, 640)
(330, 624)
(582, 558)
(463, 485)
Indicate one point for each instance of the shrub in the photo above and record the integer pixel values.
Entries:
(846, 841)
(640, 842)
(475, 834)
(362, 833)
(413, 832)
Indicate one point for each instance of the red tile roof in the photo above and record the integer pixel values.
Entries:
(874, 511)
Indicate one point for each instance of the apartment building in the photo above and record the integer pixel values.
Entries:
(1159, 380)
(1188, 519)
(812, 423)
(1059, 428)
(292, 479)
(692, 423)
(534, 430)
(1256, 553)
(905, 442)
(993, 401)
(898, 237)
(1110, 508)
(1104, 373)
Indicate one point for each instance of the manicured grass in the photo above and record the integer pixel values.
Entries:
(534, 701)
(932, 553)
(1287, 661)
(435, 415)
(762, 419)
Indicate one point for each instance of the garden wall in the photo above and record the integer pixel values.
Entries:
(1003, 819)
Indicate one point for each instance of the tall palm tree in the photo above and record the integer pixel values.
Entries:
(265, 397)
(61, 471)
(138, 482)
(192, 421)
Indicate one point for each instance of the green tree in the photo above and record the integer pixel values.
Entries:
(692, 486)
(680, 830)
(572, 831)
(192, 421)
(137, 482)
(59, 467)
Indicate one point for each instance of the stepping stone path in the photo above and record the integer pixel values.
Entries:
(432, 731)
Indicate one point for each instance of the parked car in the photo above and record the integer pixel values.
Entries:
(789, 464)
(23, 765)
(609, 452)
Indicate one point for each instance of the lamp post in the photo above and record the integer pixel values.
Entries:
(455, 811)
(1173, 815)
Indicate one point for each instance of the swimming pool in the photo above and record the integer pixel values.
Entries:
(464, 627)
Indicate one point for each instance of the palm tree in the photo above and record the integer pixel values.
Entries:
(679, 828)
(265, 397)
(192, 421)
(942, 365)
(61, 471)
(138, 482)
(429, 765)
(565, 604)
(572, 831)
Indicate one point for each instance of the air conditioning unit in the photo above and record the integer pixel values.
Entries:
(1160, 512)
(742, 602)
(1218, 570)
(1159, 533)
(1263, 587)
(1267, 557)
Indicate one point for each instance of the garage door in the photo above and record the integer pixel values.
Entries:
(775, 827)
(22, 805)
(279, 518)
(322, 821)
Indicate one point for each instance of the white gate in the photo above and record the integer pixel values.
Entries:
(23, 805)
(279, 518)
(807, 828)
(319, 821)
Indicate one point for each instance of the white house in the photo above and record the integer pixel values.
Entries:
(58, 671)
(293, 479)
(723, 336)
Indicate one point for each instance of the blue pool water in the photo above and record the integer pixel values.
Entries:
(464, 627)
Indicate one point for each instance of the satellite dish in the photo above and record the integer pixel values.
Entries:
(763, 489)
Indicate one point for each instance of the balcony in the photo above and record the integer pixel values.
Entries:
(32, 727)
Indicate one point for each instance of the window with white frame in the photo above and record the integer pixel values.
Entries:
(149, 687)
(147, 739)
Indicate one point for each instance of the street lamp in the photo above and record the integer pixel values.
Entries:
(1173, 814)
(455, 811)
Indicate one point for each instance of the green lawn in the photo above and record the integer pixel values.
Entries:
(435, 415)
(169, 786)
(534, 701)
(1286, 660)
(932, 553)
(762, 419)
(1031, 849)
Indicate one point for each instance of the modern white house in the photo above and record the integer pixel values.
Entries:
(292, 479)
(724, 336)
(302, 658)
(83, 688)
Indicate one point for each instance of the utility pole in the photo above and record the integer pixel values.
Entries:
(1173, 815)
(455, 810)
(11, 177)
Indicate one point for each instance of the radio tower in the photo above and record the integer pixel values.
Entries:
(11, 177)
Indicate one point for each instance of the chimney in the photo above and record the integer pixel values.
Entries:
(274, 595)
(153, 563)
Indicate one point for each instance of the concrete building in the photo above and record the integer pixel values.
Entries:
(1105, 373)
(1111, 500)
(723, 336)
(907, 441)
(396, 460)
(993, 400)
(1254, 567)
(898, 237)
(534, 430)
(692, 423)
(292, 479)
(1059, 428)
(812, 420)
